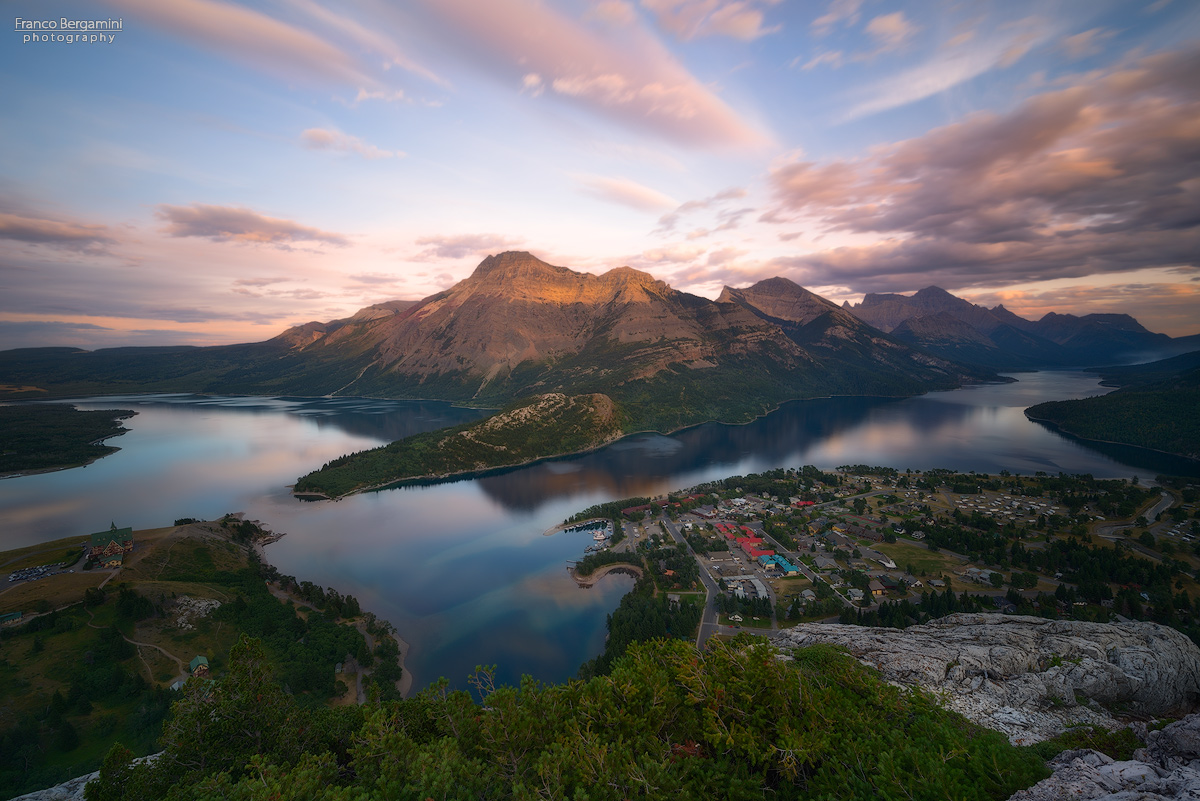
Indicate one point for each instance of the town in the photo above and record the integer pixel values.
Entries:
(880, 546)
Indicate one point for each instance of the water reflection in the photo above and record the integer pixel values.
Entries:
(462, 568)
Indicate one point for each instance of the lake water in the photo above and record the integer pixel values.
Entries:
(462, 569)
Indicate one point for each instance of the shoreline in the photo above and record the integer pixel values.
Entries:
(405, 683)
(433, 479)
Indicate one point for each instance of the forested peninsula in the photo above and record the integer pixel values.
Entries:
(37, 437)
(1149, 411)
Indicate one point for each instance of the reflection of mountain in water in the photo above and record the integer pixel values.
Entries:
(385, 424)
(639, 464)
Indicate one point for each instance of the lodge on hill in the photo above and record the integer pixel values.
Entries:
(109, 547)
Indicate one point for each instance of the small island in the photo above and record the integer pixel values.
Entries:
(41, 437)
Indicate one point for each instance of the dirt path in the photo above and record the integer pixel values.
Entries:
(140, 645)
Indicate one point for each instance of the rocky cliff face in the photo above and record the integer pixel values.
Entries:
(1025, 676)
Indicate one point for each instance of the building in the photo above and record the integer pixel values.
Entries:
(877, 589)
(199, 666)
(112, 542)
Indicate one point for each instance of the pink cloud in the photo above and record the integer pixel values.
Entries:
(634, 81)
(691, 19)
(625, 192)
(248, 36)
(324, 139)
(460, 246)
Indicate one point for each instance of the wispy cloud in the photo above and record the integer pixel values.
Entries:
(950, 67)
(235, 224)
(59, 233)
(840, 12)
(625, 192)
(325, 139)
(632, 80)
(248, 36)
(459, 246)
(692, 19)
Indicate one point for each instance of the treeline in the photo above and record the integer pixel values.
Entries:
(902, 614)
(667, 722)
(48, 436)
(1164, 416)
(610, 510)
(640, 617)
(546, 426)
(594, 561)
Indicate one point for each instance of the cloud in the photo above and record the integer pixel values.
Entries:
(366, 39)
(950, 67)
(691, 19)
(625, 192)
(632, 80)
(668, 221)
(1169, 308)
(833, 58)
(614, 12)
(844, 12)
(1087, 43)
(891, 30)
(324, 139)
(61, 333)
(41, 231)
(1100, 176)
(462, 245)
(259, 282)
(248, 36)
(234, 224)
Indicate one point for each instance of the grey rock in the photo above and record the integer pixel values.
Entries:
(1024, 676)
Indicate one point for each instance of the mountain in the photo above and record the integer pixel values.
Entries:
(1010, 342)
(519, 327)
(843, 343)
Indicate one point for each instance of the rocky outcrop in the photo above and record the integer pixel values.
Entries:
(1025, 676)
(1168, 768)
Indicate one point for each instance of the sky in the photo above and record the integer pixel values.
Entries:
(216, 171)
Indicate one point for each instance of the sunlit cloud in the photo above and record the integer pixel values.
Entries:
(839, 12)
(234, 224)
(633, 81)
(625, 192)
(324, 139)
(691, 19)
(460, 246)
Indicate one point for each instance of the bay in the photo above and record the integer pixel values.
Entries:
(462, 568)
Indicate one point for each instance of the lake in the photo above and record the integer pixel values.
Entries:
(462, 569)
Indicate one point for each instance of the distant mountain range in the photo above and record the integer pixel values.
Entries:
(995, 338)
(519, 327)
